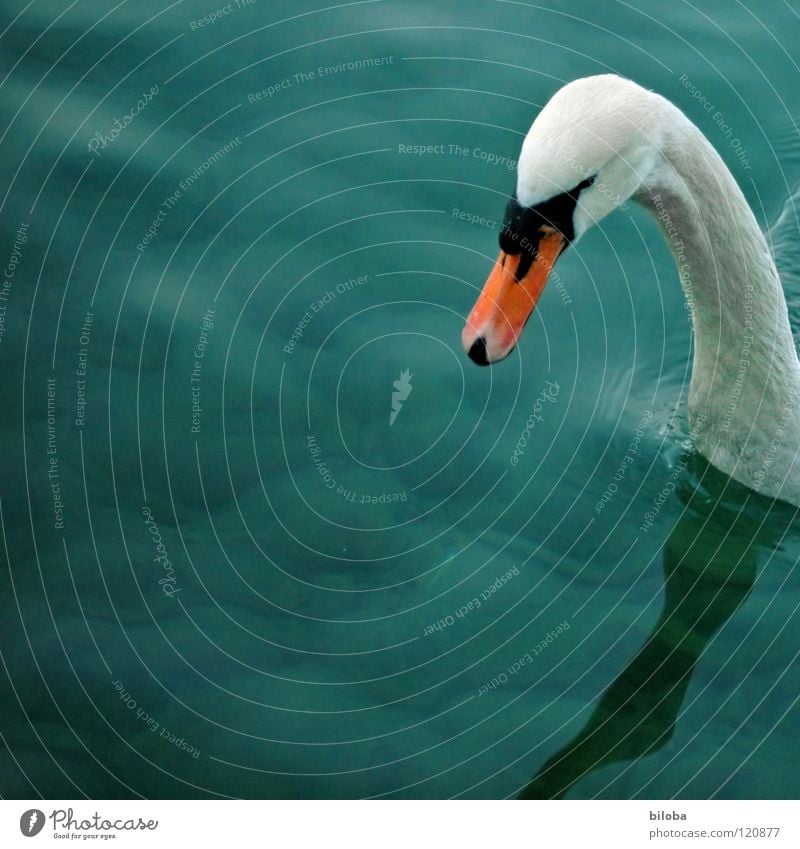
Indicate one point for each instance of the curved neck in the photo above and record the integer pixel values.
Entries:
(745, 383)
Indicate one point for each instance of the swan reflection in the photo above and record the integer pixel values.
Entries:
(710, 563)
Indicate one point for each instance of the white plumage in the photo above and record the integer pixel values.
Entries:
(744, 397)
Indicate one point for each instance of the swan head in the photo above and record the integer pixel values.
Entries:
(589, 150)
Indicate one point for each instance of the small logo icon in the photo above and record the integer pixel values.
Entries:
(403, 389)
(31, 822)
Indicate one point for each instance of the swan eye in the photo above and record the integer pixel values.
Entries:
(584, 184)
(524, 226)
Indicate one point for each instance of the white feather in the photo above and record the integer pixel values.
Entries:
(744, 398)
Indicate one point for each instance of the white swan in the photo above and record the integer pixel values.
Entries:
(599, 141)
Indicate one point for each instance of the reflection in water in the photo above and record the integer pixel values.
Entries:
(710, 563)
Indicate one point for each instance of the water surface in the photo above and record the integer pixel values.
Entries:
(231, 570)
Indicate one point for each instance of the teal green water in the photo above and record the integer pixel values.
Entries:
(265, 530)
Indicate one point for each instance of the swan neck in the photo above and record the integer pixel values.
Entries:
(745, 388)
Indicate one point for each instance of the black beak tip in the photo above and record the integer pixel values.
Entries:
(477, 353)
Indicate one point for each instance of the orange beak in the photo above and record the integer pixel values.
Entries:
(506, 302)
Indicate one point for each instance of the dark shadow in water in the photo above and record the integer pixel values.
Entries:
(710, 563)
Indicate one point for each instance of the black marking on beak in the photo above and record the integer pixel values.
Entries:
(477, 352)
(523, 226)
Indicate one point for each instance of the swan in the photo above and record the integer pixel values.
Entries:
(598, 142)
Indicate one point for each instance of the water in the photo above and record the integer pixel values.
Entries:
(238, 576)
